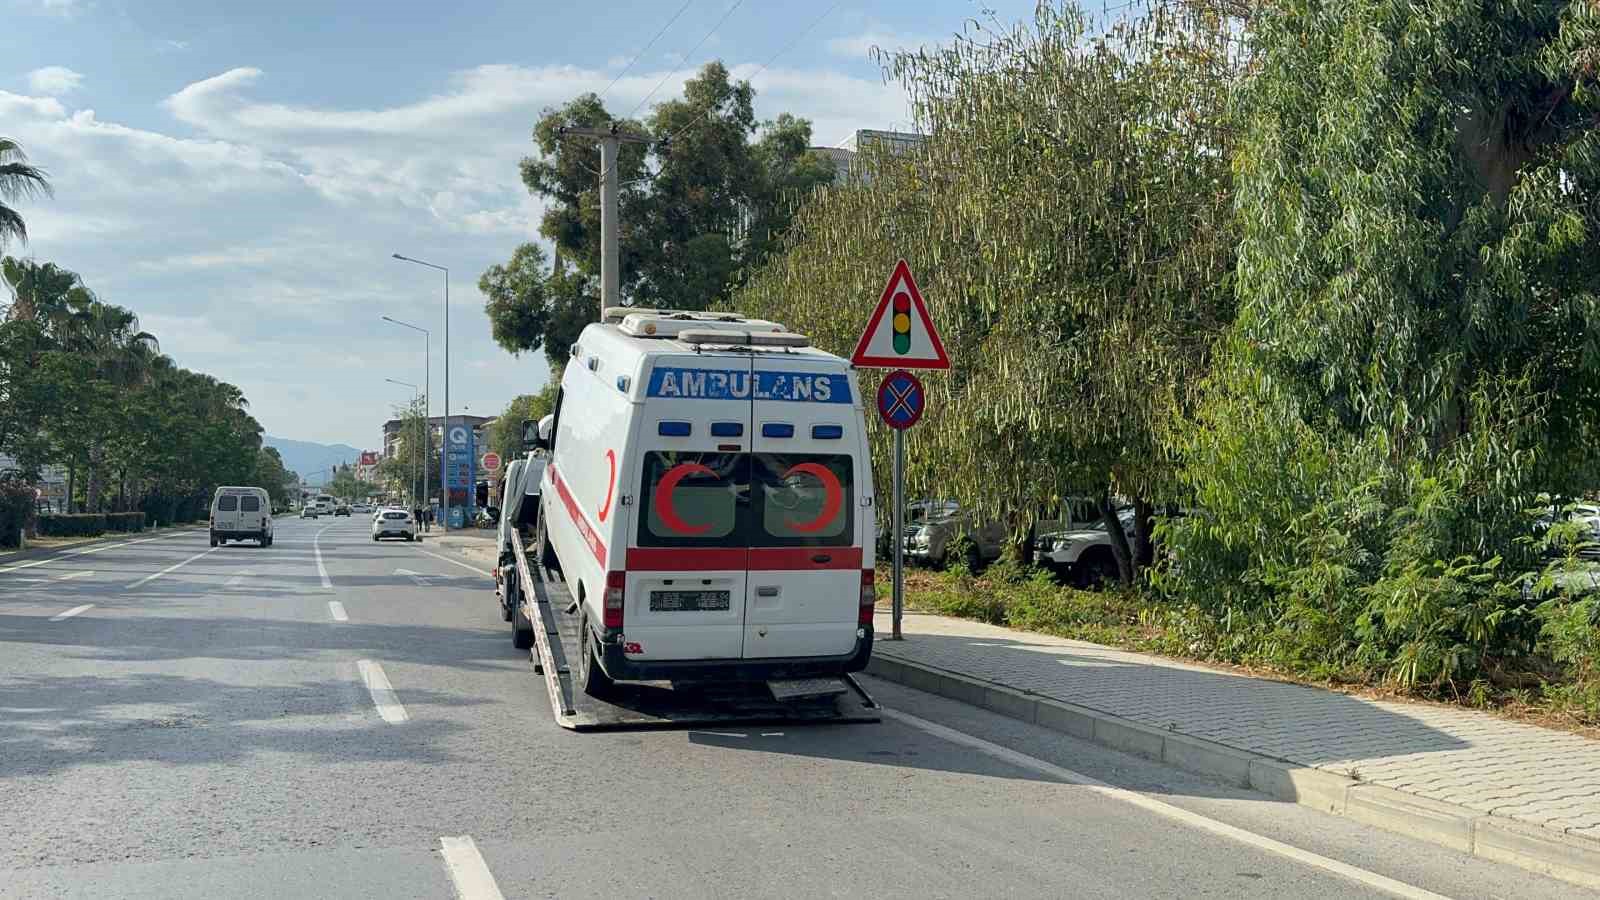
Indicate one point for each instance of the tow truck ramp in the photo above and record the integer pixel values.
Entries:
(638, 705)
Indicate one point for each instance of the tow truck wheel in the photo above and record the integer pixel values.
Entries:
(508, 598)
(593, 679)
(521, 629)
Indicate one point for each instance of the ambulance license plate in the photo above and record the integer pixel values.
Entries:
(688, 601)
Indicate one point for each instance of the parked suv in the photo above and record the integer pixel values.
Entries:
(1083, 555)
(934, 529)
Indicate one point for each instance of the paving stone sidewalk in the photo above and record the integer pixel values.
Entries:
(1545, 778)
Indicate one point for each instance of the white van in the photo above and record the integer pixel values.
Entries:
(241, 512)
(709, 501)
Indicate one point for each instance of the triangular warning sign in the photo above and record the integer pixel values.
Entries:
(900, 334)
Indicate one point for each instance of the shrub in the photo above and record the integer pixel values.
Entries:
(72, 525)
(16, 510)
(125, 521)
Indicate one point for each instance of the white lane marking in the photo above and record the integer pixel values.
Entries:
(84, 552)
(72, 612)
(382, 692)
(420, 579)
(336, 609)
(236, 580)
(172, 568)
(316, 545)
(25, 580)
(468, 872)
(1177, 813)
(456, 562)
(71, 575)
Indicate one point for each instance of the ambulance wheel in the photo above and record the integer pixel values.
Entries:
(521, 629)
(547, 554)
(593, 679)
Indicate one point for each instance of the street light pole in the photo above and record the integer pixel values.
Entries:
(444, 479)
(421, 465)
(427, 381)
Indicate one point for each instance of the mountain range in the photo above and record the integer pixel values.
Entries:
(310, 460)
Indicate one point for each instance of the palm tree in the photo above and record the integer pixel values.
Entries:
(18, 181)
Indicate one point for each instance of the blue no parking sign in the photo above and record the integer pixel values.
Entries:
(900, 400)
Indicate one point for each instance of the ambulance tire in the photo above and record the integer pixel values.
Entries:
(521, 629)
(591, 678)
(547, 553)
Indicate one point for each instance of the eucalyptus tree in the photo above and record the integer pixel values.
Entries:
(1417, 353)
(1069, 219)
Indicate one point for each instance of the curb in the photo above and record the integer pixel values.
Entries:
(1557, 854)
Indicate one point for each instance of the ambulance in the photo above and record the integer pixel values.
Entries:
(709, 501)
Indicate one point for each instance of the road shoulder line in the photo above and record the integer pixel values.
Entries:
(467, 870)
(1179, 814)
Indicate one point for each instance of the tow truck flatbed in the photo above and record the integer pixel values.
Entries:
(641, 705)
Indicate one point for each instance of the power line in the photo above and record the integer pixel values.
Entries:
(684, 58)
(770, 60)
(642, 50)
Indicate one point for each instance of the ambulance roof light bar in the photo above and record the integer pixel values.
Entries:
(744, 338)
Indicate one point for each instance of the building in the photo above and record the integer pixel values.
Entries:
(50, 489)
(898, 143)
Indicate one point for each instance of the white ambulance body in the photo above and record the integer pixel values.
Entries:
(709, 501)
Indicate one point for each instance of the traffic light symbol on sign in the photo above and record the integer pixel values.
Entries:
(902, 322)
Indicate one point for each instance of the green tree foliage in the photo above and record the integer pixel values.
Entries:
(19, 180)
(1068, 218)
(400, 470)
(504, 435)
(273, 476)
(84, 387)
(1417, 352)
(699, 207)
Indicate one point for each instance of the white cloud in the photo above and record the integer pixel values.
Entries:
(253, 237)
(53, 81)
(170, 44)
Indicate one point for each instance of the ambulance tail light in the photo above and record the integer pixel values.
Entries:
(869, 596)
(613, 599)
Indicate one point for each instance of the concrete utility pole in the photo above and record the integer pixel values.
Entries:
(611, 138)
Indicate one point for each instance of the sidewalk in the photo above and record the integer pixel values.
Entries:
(1501, 790)
(476, 544)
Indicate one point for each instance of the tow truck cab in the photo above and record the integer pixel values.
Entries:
(709, 500)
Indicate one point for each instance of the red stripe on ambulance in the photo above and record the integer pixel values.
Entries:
(590, 537)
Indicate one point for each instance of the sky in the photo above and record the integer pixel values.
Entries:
(239, 173)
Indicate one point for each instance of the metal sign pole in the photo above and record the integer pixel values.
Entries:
(899, 529)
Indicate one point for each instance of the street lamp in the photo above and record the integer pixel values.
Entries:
(422, 462)
(445, 522)
(427, 392)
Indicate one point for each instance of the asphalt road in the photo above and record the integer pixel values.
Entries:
(331, 717)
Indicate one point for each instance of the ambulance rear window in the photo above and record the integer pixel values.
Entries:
(802, 500)
(694, 499)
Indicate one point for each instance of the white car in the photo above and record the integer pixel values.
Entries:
(393, 523)
(1083, 555)
(708, 499)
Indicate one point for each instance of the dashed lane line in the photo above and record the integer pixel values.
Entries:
(71, 575)
(336, 609)
(316, 546)
(1179, 814)
(238, 579)
(467, 870)
(172, 568)
(382, 692)
(72, 612)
